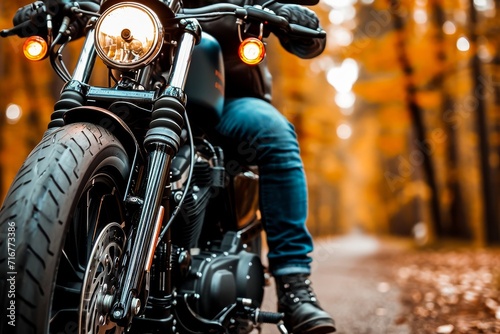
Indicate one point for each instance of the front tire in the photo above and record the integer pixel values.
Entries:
(69, 189)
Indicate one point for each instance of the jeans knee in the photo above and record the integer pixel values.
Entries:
(265, 136)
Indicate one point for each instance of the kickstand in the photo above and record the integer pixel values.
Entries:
(282, 328)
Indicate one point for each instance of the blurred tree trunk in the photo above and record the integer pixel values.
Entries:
(490, 214)
(416, 113)
(2, 186)
(458, 226)
(2, 106)
(3, 74)
(453, 217)
(493, 34)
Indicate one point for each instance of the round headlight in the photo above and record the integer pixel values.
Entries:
(128, 36)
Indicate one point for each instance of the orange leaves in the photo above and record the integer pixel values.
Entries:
(429, 99)
(376, 55)
(387, 88)
(394, 125)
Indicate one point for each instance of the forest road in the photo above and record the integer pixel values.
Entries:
(352, 286)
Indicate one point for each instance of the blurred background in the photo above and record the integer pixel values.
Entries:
(398, 119)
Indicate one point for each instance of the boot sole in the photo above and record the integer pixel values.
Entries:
(313, 327)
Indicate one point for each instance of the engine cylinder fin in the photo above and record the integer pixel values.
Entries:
(187, 231)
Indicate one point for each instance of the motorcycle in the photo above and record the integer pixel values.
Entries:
(125, 217)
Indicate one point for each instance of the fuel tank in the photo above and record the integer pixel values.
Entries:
(205, 82)
(205, 102)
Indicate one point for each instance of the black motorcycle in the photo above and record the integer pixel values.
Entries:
(124, 218)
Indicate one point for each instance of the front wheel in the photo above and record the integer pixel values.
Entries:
(65, 197)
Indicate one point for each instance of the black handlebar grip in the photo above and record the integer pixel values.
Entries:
(302, 2)
(89, 6)
(28, 21)
(279, 22)
(266, 16)
(304, 32)
(26, 13)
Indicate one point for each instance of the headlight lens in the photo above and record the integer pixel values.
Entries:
(128, 36)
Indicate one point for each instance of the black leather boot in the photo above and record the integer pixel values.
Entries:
(303, 314)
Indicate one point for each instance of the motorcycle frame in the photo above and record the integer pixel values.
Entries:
(148, 190)
(160, 145)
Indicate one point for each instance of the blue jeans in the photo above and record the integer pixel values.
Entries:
(267, 139)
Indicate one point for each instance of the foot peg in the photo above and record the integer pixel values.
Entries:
(271, 318)
(268, 317)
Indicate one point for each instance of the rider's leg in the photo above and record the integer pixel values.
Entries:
(261, 135)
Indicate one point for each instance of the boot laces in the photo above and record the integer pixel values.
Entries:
(299, 290)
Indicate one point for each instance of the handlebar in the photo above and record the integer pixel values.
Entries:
(269, 18)
(34, 17)
(26, 20)
(292, 30)
(30, 19)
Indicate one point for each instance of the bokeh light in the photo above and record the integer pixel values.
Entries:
(344, 131)
(449, 28)
(13, 113)
(463, 44)
(345, 100)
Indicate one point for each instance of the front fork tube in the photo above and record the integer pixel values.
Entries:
(162, 142)
(137, 264)
(73, 93)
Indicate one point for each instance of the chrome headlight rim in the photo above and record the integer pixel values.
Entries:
(150, 55)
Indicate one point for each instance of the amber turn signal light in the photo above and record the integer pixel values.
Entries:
(252, 51)
(35, 48)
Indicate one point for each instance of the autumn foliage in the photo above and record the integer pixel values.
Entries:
(397, 119)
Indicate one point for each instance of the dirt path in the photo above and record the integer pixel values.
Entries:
(354, 288)
(390, 287)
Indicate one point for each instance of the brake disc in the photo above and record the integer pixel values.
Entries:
(100, 282)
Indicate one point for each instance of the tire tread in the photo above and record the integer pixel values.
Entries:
(50, 176)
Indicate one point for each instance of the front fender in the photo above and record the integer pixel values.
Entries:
(112, 123)
(109, 121)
